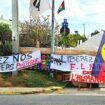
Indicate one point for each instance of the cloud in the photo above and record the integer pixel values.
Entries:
(91, 11)
(84, 11)
(23, 10)
(78, 12)
(5, 8)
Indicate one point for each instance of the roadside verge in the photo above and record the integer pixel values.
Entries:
(25, 90)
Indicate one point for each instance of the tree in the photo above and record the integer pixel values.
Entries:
(68, 41)
(80, 37)
(71, 40)
(35, 30)
(5, 38)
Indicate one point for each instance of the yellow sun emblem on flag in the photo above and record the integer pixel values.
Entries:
(103, 52)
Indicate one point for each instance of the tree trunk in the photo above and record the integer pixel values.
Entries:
(37, 44)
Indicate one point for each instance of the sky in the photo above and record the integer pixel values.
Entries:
(90, 13)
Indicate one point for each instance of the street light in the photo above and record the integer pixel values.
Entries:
(84, 29)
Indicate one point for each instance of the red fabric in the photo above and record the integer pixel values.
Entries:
(102, 73)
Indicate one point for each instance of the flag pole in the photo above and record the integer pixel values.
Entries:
(52, 35)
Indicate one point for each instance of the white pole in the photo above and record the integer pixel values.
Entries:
(15, 36)
(52, 36)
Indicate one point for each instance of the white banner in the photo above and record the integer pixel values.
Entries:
(80, 67)
(7, 64)
(27, 60)
(59, 62)
(72, 62)
(19, 61)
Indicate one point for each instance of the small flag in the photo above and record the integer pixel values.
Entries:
(37, 7)
(61, 8)
(98, 70)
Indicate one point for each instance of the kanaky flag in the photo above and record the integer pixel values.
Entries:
(61, 8)
(98, 70)
(37, 7)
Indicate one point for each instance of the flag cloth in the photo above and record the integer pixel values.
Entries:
(37, 7)
(61, 8)
(98, 69)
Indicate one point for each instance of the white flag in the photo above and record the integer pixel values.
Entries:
(37, 7)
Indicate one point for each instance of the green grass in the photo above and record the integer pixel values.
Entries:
(30, 78)
(39, 79)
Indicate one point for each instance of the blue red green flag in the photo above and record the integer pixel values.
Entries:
(98, 70)
(61, 8)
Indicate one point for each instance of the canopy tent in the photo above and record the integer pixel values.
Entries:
(91, 44)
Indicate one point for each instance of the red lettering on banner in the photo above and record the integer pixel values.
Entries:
(86, 79)
(18, 65)
(82, 66)
(72, 77)
(79, 78)
(90, 66)
(93, 80)
(72, 65)
(37, 60)
(30, 63)
(86, 72)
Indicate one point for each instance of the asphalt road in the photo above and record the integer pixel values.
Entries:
(51, 99)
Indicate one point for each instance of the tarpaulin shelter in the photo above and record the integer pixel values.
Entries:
(91, 44)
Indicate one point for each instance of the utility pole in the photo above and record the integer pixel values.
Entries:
(84, 29)
(15, 36)
(52, 35)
